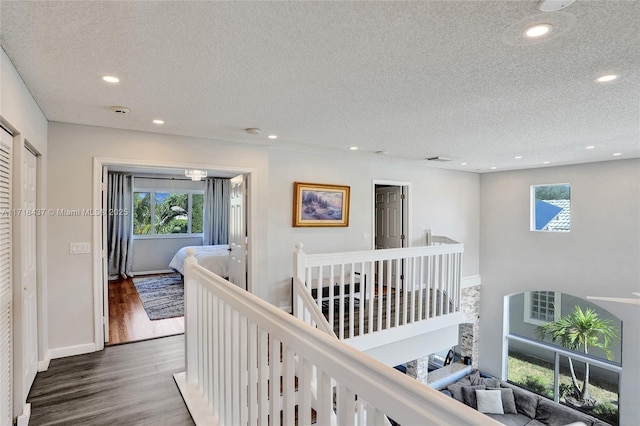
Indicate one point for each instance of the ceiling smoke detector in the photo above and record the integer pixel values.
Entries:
(439, 158)
(553, 5)
(252, 131)
(119, 109)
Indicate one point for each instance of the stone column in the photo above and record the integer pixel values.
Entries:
(419, 369)
(469, 332)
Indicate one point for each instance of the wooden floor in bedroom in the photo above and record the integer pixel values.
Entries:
(128, 321)
(122, 385)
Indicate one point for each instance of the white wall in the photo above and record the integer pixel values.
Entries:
(154, 254)
(20, 113)
(600, 256)
(72, 150)
(444, 201)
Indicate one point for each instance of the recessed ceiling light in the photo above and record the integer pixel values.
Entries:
(353, 148)
(589, 147)
(463, 164)
(546, 162)
(518, 157)
(158, 121)
(493, 168)
(617, 154)
(537, 30)
(272, 136)
(111, 79)
(606, 78)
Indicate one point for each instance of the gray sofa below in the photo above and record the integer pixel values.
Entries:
(520, 406)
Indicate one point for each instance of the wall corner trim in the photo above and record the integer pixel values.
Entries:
(44, 364)
(470, 281)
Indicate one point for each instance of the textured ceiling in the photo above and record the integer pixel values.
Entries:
(414, 79)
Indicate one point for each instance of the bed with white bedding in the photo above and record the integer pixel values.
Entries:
(213, 258)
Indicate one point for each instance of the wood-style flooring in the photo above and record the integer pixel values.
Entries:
(123, 385)
(128, 321)
(415, 310)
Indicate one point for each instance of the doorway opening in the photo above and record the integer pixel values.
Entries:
(391, 220)
(391, 214)
(143, 303)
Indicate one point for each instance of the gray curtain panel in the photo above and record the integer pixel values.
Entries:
(119, 225)
(216, 211)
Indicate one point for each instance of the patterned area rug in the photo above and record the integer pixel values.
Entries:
(162, 296)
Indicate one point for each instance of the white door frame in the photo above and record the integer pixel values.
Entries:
(406, 211)
(29, 265)
(99, 280)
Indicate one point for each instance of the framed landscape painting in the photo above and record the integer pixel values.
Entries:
(316, 204)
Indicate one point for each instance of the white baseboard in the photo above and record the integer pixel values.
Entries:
(72, 350)
(287, 309)
(44, 364)
(197, 405)
(23, 419)
(163, 271)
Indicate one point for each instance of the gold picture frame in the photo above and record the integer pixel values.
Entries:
(316, 204)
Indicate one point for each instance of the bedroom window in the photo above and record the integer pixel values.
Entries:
(167, 213)
(551, 208)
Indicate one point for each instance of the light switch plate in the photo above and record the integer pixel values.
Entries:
(79, 248)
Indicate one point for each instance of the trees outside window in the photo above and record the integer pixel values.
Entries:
(165, 213)
(579, 331)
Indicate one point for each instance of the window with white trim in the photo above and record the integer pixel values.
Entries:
(551, 208)
(541, 307)
(167, 212)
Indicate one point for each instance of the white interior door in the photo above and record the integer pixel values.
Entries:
(29, 272)
(238, 233)
(389, 228)
(388, 217)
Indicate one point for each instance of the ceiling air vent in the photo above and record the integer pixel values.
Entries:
(119, 109)
(439, 158)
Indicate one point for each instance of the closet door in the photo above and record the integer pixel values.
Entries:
(6, 294)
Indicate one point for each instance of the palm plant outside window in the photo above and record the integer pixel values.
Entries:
(166, 213)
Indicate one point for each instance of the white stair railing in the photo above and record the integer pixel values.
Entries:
(250, 363)
(369, 291)
(307, 309)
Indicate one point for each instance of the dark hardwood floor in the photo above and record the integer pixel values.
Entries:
(415, 313)
(128, 321)
(124, 385)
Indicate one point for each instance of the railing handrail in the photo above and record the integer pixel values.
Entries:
(382, 254)
(312, 307)
(607, 365)
(441, 239)
(391, 392)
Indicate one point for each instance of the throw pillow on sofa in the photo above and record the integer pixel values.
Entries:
(508, 400)
(469, 395)
(526, 402)
(489, 401)
(487, 381)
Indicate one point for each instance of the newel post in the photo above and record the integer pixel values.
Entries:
(190, 318)
(298, 274)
